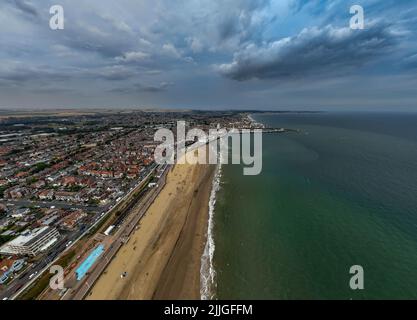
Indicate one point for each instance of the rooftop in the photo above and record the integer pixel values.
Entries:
(28, 237)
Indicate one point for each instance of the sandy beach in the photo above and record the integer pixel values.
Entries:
(163, 256)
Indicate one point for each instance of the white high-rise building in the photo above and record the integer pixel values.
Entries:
(31, 242)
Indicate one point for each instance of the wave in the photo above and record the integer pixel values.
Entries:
(208, 283)
(207, 271)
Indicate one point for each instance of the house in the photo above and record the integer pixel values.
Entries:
(69, 181)
(83, 195)
(16, 192)
(65, 196)
(20, 213)
(86, 182)
(46, 194)
(39, 184)
(5, 265)
(4, 223)
(3, 208)
(106, 174)
(71, 221)
(22, 175)
(118, 174)
(49, 219)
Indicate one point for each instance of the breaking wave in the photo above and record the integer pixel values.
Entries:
(207, 271)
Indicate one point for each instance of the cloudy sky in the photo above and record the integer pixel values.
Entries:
(210, 54)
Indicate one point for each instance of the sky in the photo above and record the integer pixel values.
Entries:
(209, 54)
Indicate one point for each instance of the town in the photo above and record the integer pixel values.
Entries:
(63, 176)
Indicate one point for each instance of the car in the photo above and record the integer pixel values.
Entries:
(68, 244)
(63, 291)
(123, 275)
(18, 287)
(18, 265)
(4, 278)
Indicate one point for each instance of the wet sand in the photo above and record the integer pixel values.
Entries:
(162, 258)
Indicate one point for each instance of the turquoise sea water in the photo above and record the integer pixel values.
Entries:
(342, 192)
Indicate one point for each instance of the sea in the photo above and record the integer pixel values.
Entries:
(341, 191)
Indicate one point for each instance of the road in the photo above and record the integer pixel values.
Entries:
(38, 267)
(15, 288)
(63, 204)
(122, 236)
(56, 204)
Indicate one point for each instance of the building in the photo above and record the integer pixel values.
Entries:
(16, 193)
(31, 242)
(65, 196)
(46, 195)
(71, 221)
(20, 213)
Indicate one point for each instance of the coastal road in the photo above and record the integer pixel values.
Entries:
(122, 237)
(37, 268)
(56, 204)
(19, 285)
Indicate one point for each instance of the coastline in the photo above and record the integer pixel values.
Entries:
(254, 122)
(207, 271)
(163, 258)
(181, 278)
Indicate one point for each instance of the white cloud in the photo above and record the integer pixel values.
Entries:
(195, 44)
(170, 50)
(133, 56)
(314, 50)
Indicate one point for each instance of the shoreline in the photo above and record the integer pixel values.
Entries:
(207, 271)
(181, 278)
(254, 122)
(163, 258)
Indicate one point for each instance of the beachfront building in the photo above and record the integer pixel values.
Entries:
(31, 242)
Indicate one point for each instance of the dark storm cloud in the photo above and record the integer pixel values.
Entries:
(99, 37)
(130, 51)
(18, 73)
(237, 22)
(139, 87)
(23, 73)
(25, 7)
(411, 61)
(228, 28)
(312, 51)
